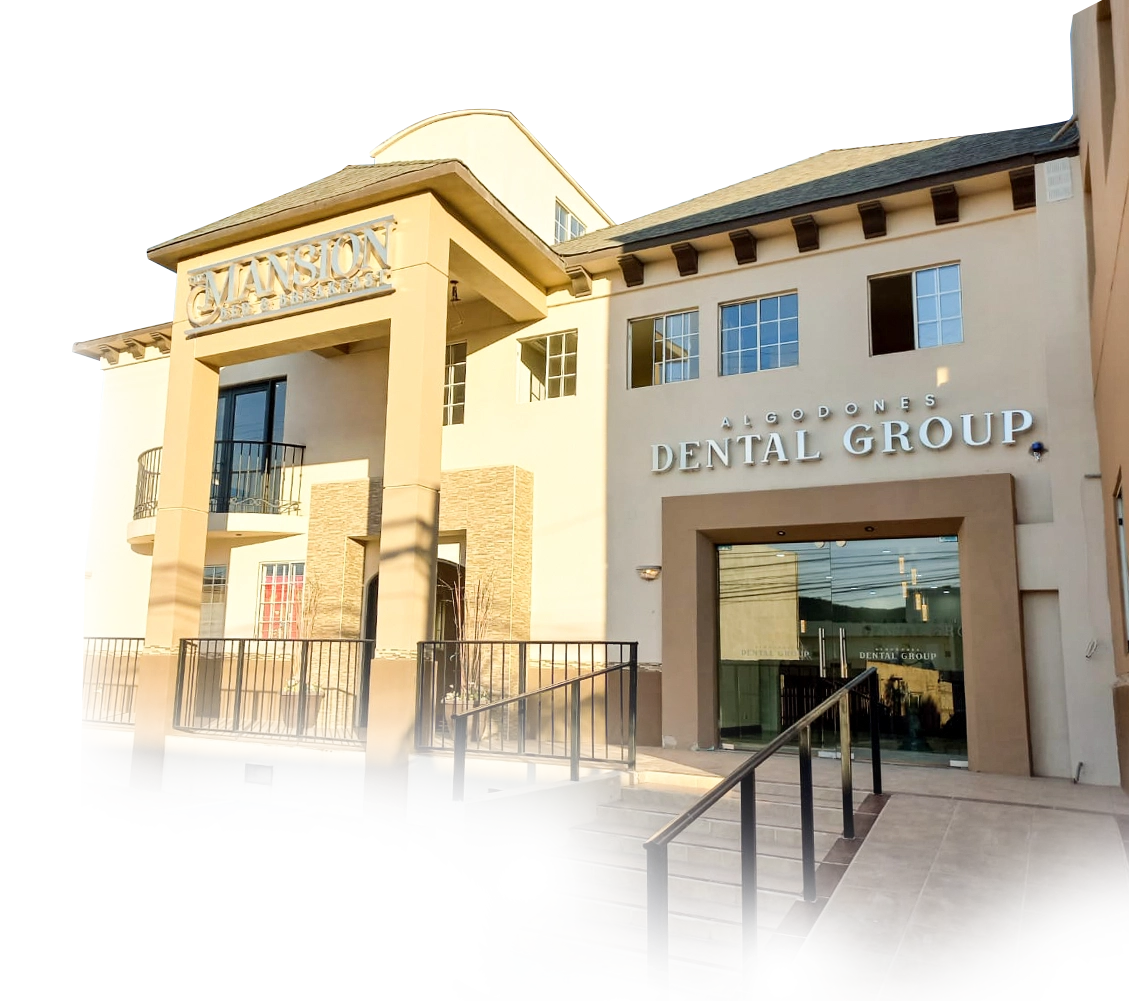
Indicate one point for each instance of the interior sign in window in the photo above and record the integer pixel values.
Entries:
(350, 263)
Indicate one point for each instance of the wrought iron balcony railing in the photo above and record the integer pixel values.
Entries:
(248, 477)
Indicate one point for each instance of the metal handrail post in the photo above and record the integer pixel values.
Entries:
(807, 814)
(658, 917)
(875, 747)
(460, 758)
(237, 709)
(845, 752)
(178, 700)
(303, 678)
(522, 669)
(749, 867)
(632, 705)
(574, 744)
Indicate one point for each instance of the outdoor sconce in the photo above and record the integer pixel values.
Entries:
(650, 572)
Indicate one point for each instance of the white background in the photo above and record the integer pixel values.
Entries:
(126, 124)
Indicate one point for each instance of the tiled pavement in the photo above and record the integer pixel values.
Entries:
(966, 884)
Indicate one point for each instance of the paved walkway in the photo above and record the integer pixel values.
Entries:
(510, 976)
(965, 901)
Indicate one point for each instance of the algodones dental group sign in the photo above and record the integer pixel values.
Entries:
(325, 270)
(756, 445)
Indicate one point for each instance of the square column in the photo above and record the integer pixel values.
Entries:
(179, 543)
(409, 524)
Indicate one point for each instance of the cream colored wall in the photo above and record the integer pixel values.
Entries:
(504, 158)
(1025, 346)
(562, 442)
(132, 420)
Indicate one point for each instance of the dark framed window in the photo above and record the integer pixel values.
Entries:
(454, 383)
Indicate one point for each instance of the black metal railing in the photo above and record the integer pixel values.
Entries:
(148, 480)
(572, 701)
(248, 477)
(745, 776)
(109, 678)
(464, 718)
(311, 690)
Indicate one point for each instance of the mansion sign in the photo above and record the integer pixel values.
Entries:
(337, 267)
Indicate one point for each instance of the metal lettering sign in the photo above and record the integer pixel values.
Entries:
(341, 266)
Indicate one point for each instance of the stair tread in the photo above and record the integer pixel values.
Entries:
(638, 862)
(604, 934)
(684, 906)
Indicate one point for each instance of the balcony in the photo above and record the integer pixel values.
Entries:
(256, 491)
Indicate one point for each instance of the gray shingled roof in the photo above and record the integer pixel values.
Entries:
(350, 178)
(835, 176)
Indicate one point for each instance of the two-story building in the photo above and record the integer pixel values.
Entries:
(834, 417)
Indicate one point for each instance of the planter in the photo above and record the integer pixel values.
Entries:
(289, 711)
(475, 726)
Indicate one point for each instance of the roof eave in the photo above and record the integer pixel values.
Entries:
(812, 206)
(449, 180)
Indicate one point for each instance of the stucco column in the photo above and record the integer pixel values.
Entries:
(179, 543)
(409, 524)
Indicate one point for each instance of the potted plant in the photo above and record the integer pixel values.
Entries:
(292, 697)
(469, 697)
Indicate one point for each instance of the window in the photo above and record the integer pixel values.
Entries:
(255, 411)
(915, 309)
(1123, 560)
(550, 363)
(454, 383)
(760, 334)
(213, 602)
(568, 226)
(280, 600)
(663, 349)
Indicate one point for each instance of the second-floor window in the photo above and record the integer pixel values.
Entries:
(454, 383)
(549, 363)
(760, 334)
(916, 309)
(568, 227)
(663, 349)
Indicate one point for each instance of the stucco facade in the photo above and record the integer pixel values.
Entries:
(556, 497)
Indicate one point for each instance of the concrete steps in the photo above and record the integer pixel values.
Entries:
(606, 867)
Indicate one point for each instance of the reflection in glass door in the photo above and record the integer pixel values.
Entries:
(798, 619)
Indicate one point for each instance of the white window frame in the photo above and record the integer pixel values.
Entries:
(565, 221)
(722, 353)
(660, 343)
(454, 412)
(288, 626)
(917, 297)
(559, 346)
(1122, 560)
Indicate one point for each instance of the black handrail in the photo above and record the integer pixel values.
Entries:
(745, 775)
(460, 719)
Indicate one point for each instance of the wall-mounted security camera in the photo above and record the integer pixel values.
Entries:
(1038, 449)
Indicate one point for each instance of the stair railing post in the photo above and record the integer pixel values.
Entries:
(658, 915)
(875, 748)
(522, 668)
(574, 726)
(303, 680)
(845, 752)
(459, 779)
(632, 705)
(749, 867)
(237, 708)
(807, 814)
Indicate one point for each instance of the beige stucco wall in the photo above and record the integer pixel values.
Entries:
(1100, 53)
(1024, 309)
(505, 158)
(132, 421)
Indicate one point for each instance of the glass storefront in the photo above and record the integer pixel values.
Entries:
(797, 619)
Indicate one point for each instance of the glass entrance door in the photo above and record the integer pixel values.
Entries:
(796, 620)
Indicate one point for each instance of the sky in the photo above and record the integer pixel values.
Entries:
(129, 120)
